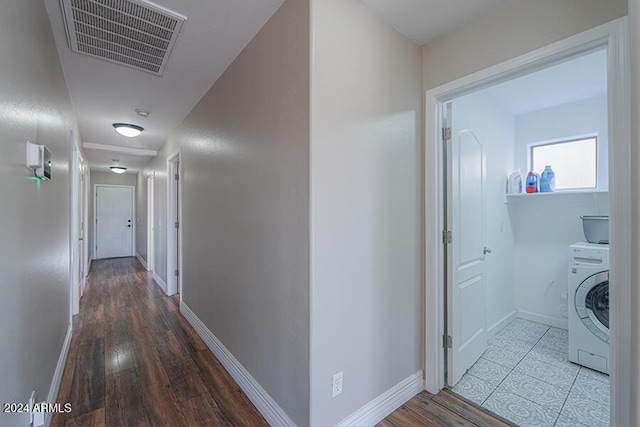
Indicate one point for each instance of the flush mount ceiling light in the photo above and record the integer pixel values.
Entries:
(127, 129)
(117, 168)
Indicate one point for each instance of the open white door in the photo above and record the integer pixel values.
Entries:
(174, 226)
(466, 301)
(114, 221)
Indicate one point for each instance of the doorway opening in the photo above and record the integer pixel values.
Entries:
(174, 225)
(458, 325)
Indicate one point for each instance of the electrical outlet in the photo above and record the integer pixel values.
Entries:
(337, 384)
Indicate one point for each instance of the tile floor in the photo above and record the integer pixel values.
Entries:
(525, 377)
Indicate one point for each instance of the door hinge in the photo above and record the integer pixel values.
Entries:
(446, 134)
(176, 224)
(176, 272)
(447, 341)
(447, 237)
(177, 177)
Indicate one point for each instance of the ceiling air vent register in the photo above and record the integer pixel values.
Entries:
(134, 33)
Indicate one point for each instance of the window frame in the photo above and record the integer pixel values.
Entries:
(533, 145)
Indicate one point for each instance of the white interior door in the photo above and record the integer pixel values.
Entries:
(174, 225)
(114, 221)
(466, 301)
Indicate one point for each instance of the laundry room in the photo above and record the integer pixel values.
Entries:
(529, 229)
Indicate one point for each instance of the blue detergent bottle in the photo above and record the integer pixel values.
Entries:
(533, 180)
(547, 180)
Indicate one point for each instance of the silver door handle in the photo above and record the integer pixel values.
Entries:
(486, 250)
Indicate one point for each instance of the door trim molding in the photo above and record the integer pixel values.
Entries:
(172, 283)
(151, 218)
(614, 36)
(133, 217)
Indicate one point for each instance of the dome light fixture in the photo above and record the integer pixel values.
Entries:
(117, 168)
(128, 130)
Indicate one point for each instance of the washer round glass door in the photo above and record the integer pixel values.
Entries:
(592, 304)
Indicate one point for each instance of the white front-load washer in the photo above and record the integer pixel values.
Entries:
(589, 305)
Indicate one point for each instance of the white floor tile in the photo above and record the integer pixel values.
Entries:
(552, 357)
(502, 356)
(489, 372)
(565, 421)
(519, 410)
(548, 373)
(590, 388)
(474, 389)
(586, 411)
(590, 373)
(525, 376)
(555, 343)
(521, 348)
(536, 390)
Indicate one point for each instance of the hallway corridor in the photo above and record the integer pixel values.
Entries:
(135, 361)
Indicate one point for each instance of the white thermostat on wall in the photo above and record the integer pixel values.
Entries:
(39, 160)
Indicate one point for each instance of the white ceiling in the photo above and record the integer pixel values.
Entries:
(215, 32)
(424, 20)
(103, 93)
(570, 81)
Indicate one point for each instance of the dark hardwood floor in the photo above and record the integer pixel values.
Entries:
(135, 361)
(444, 409)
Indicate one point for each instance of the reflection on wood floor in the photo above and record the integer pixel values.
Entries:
(135, 361)
(443, 409)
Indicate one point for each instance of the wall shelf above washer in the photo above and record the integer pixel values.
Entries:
(538, 197)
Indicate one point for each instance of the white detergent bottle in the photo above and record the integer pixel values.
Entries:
(514, 185)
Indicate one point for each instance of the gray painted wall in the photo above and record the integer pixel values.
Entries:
(108, 178)
(366, 222)
(34, 231)
(509, 31)
(245, 184)
(634, 333)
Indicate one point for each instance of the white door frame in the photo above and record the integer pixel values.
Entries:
(172, 209)
(75, 226)
(614, 36)
(133, 216)
(150, 221)
(85, 232)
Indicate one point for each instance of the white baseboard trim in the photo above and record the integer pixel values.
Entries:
(57, 375)
(270, 410)
(160, 282)
(380, 407)
(142, 261)
(551, 321)
(497, 327)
